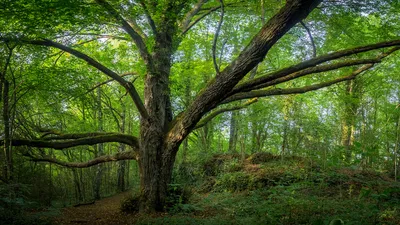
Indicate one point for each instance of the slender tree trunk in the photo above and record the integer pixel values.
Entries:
(100, 149)
(122, 164)
(349, 118)
(232, 133)
(6, 121)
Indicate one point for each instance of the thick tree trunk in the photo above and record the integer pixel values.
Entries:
(155, 162)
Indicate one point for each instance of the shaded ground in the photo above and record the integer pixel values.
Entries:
(104, 211)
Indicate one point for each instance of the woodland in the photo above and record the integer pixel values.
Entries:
(199, 112)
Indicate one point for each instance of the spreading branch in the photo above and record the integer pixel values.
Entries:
(317, 69)
(249, 85)
(301, 90)
(127, 155)
(218, 88)
(369, 63)
(73, 140)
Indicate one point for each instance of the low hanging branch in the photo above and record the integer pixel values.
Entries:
(127, 155)
(212, 115)
(73, 140)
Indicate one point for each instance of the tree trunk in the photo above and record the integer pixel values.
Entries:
(121, 164)
(8, 168)
(232, 133)
(156, 161)
(349, 118)
(100, 149)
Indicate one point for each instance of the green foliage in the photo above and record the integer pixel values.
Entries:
(15, 207)
(261, 157)
(178, 198)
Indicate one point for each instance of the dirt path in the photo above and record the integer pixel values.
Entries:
(104, 211)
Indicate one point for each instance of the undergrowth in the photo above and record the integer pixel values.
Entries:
(267, 189)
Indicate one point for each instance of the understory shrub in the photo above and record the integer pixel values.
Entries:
(130, 204)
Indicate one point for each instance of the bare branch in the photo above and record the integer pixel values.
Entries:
(214, 46)
(125, 25)
(311, 39)
(212, 115)
(77, 140)
(127, 155)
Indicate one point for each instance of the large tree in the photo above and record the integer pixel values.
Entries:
(157, 29)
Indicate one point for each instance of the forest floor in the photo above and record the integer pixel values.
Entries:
(104, 211)
(263, 189)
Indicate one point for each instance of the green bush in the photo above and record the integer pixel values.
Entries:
(130, 204)
(233, 182)
(178, 198)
